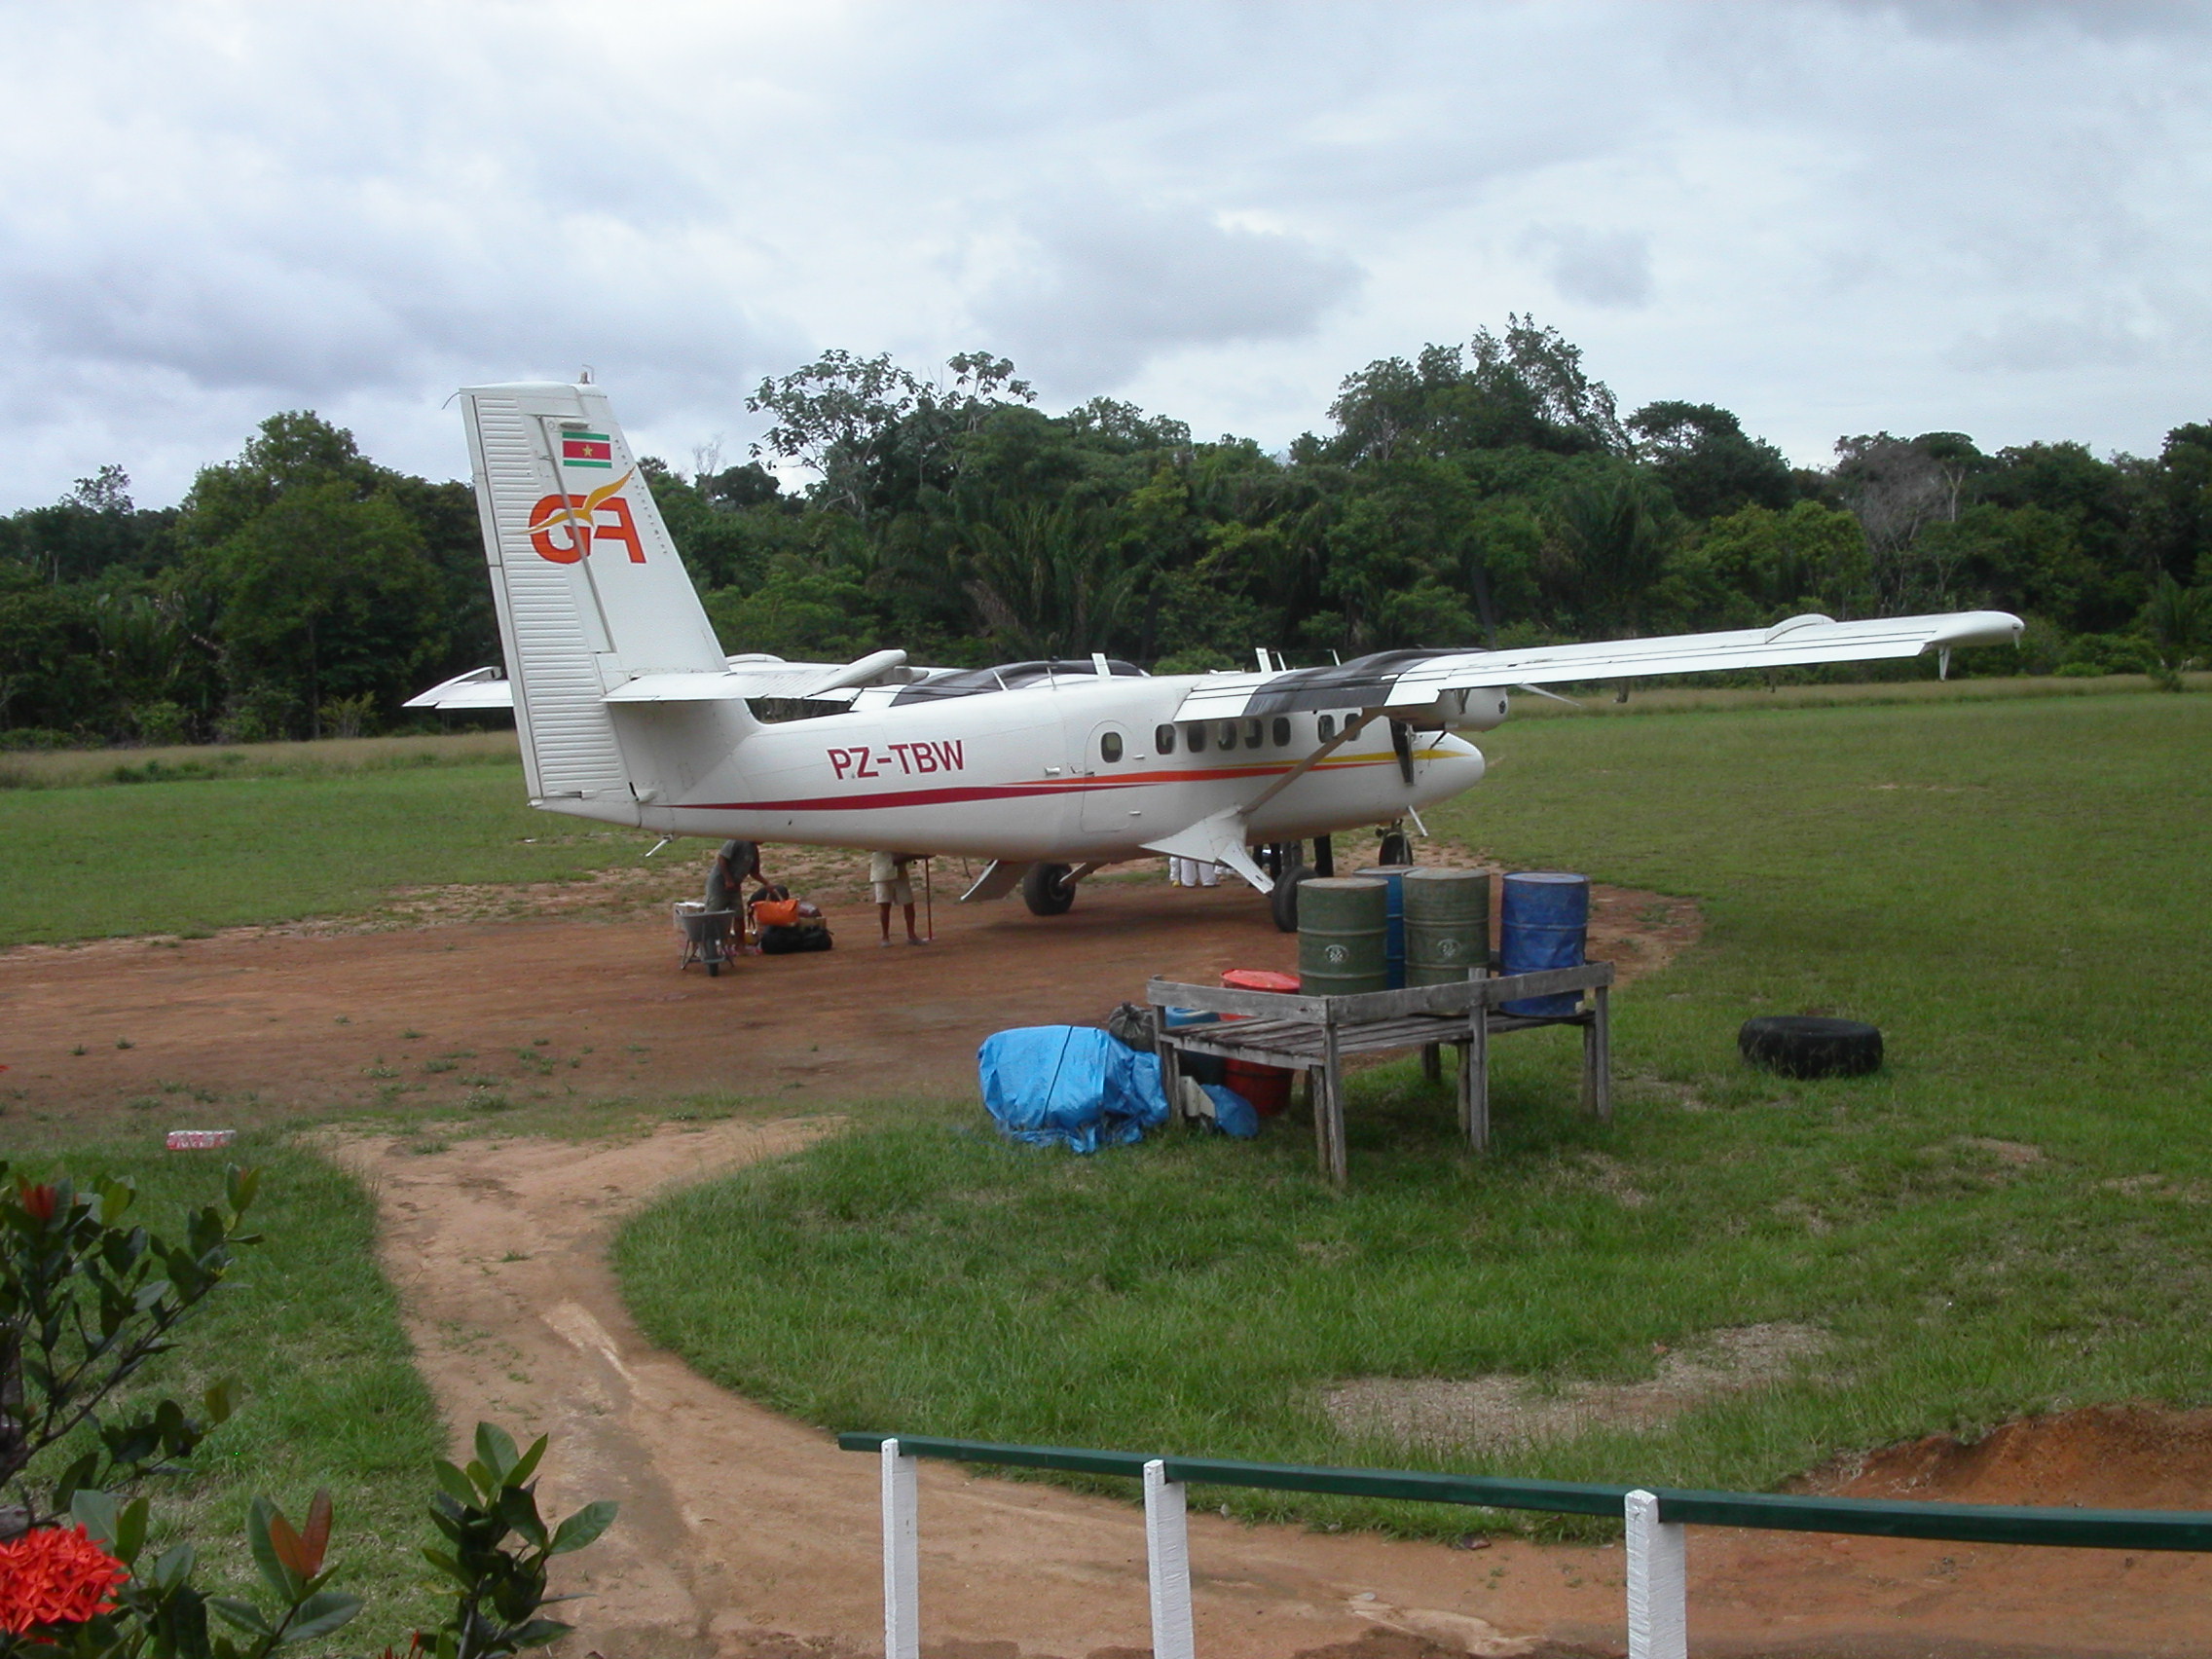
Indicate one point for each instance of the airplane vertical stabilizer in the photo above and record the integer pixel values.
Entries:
(590, 592)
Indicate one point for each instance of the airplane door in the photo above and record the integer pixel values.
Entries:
(1107, 765)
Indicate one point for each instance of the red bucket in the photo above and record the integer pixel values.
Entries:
(1266, 1087)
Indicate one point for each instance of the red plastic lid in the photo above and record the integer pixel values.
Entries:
(1259, 980)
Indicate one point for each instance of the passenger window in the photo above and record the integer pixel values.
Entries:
(1110, 746)
(1195, 734)
(1228, 734)
(1163, 740)
(1326, 725)
(1252, 733)
(1352, 723)
(1282, 731)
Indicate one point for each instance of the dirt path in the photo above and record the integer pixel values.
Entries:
(741, 1530)
(744, 1534)
(555, 1006)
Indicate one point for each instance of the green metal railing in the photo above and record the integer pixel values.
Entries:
(1657, 1583)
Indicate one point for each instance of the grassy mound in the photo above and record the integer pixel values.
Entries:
(2015, 1215)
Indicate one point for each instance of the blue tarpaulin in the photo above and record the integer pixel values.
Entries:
(1070, 1085)
(1078, 1086)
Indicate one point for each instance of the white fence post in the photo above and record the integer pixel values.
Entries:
(901, 1556)
(1167, 1557)
(1658, 1583)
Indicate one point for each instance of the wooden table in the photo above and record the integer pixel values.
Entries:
(1312, 1035)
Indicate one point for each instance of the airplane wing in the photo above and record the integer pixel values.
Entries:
(1408, 681)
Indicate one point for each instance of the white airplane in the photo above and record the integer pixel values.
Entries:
(629, 711)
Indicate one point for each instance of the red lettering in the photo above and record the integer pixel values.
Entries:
(925, 757)
(565, 552)
(621, 529)
(863, 760)
(954, 754)
(900, 750)
(840, 761)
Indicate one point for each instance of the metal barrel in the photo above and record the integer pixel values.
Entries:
(1544, 920)
(1393, 876)
(1342, 934)
(1447, 925)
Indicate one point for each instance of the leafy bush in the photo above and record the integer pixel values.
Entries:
(86, 1302)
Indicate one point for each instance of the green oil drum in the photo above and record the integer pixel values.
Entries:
(1343, 927)
(1446, 924)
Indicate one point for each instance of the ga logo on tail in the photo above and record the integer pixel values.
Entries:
(577, 521)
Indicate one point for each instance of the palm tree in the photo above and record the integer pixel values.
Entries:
(2178, 621)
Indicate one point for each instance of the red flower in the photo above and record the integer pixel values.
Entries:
(50, 1575)
(38, 1201)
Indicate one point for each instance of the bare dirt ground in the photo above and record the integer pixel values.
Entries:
(458, 997)
(745, 1534)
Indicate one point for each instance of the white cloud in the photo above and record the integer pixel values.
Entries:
(1826, 217)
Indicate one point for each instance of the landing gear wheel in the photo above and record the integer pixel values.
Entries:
(1800, 1045)
(1395, 848)
(1047, 890)
(1283, 900)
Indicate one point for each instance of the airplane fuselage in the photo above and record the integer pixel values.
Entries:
(1086, 769)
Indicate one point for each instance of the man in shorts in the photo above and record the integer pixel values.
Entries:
(887, 874)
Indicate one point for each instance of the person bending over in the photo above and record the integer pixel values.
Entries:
(734, 861)
(887, 874)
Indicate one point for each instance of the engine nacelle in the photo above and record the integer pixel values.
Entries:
(1482, 708)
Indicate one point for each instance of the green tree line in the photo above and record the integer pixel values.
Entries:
(1490, 492)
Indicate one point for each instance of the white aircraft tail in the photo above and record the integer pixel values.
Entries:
(590, 592)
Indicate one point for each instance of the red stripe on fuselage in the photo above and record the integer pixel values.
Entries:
(1009, 791)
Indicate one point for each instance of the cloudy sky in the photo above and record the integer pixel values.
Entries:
(1832, 218)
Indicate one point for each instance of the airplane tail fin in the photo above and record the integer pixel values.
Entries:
(589, 589)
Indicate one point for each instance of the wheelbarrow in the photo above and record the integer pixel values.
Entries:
(708, 935)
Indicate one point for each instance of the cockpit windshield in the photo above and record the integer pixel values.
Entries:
(1006, 677)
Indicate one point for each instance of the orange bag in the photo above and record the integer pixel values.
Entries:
(776, 913)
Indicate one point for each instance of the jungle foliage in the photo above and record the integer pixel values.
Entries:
(1479, 493)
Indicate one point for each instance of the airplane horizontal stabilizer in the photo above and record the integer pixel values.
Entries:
(478, 689)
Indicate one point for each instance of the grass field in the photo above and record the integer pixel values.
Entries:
(90, 861)
(309, 1328)
(224, 836)
(2014, 1215)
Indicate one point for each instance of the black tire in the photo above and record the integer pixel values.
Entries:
(1802, 1044)
(1283, 900)
(1396, 849)
(1047, 890)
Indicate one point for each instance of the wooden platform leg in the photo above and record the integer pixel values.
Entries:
(1474, 1081)
(1602, 1057)
(1431, 1064)
(1329, 1119)
(1170, 1075)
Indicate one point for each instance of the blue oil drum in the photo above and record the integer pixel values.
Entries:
(1392, 877)
(1543, 921)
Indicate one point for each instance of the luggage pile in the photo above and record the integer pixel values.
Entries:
(783, 926)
